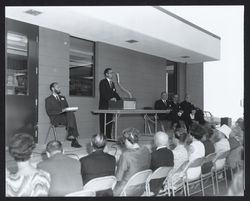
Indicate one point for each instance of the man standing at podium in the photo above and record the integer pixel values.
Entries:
(54, 105)
(107, 92)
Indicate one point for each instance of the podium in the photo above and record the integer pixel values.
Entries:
(126, 103)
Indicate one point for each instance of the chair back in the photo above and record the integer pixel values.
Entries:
(160, 172)
(81, 193)
(100, 183)
(138, 178)
(222, 155)
(196, 163)
(181, 167)
(209, 157)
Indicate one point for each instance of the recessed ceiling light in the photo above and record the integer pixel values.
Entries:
(185, 57)
(33, 12)
(132, 41)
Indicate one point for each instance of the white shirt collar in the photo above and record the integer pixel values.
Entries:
(161, 147)
(55, 95)
(109, 79)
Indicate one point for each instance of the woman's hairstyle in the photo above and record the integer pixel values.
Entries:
(131, 134)
(199, 116)
(197, 131)
(98, 141)
(21, 146)
(181, 134)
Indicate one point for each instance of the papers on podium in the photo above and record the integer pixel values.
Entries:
(70, 109)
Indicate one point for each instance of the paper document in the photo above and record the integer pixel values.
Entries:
(70, 109)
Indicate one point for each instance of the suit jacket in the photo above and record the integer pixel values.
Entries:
(54, 108)
(187, 108)
(65, 174)
(162, 157)
(97, 164)
(160, 105)
(106, 93)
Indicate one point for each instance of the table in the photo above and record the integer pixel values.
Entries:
(117, 114)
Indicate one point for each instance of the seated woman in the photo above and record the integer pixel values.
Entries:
(195, 150)
(209, 148)
(28, 180)
(221, 143)
(133, 159)
(180, 156)
(199, 118)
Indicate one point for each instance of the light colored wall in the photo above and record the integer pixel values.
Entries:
(195, 84)
(143, 75)
(181, 80)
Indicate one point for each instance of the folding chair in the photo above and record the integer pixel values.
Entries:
(138, 178)
(194, 164)
(53, 127)
(178, 185)
(219, 171)
(159, 173)
(206, 176)
(100, 184)
(81, 193)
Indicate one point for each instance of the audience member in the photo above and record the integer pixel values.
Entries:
(180, 156)
(28, 180)
(163, 104)
(55, 105)
(187, 108)
(133, 159)
(98, 163)
(236, 138)
(161, 157)
(221, 143)
(65, 171)
(195, 150)
(209, 148)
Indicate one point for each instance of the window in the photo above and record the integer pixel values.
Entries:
(82, 69)
(17, 63)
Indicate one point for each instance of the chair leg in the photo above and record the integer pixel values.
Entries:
(202, 187)
(225, 174)
(47, 134)
(213, 183)
(188, 193)
(54, 132)
(217, 184)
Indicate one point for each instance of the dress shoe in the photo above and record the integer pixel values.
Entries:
(75, 144)
(70, 138)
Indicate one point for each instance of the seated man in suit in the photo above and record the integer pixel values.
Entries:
(97, 163)
(163, 104)
(175, 111)
(64, 171)
(55, 105)
(161, 157)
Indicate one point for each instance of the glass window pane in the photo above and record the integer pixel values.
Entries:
(81, 67)
(17, 64)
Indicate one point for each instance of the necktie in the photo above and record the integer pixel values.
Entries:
(110, 84)
(57, 97)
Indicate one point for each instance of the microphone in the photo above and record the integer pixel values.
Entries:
(121, 87)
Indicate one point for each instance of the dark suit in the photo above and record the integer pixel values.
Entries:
(65, 174)
(160, 105)
(162, 157)
(54, 110)
(106, 93)
(175, 108)
(187, 108)
(97, 164)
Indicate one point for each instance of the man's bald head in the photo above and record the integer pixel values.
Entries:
(161, 139)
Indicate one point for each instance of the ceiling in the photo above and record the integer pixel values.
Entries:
(157, 31)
